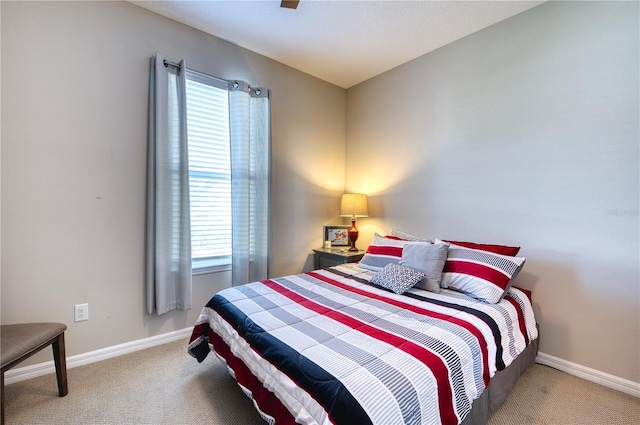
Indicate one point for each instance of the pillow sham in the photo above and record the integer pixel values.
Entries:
(511, 251)
(382, 251)
(480, 274)
(397, 278)
(428, 259)
(407, 236)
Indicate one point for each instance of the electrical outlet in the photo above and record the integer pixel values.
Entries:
(82, 312)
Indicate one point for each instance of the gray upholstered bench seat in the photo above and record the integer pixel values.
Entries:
(20, 341)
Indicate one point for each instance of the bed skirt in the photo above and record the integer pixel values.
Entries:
(501, 385)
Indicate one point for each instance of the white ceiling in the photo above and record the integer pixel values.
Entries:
(342, 42)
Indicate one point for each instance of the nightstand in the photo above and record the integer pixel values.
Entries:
(327, 257)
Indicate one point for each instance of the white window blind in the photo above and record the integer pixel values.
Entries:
(209, 171)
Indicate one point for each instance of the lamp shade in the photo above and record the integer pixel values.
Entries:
(354, 205)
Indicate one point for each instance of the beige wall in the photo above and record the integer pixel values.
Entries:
(524, 133)
(74, 113)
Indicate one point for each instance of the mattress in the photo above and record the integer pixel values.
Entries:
(328, 346)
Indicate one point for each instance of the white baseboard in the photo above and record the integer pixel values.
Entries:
(28, 372)
(602, 378)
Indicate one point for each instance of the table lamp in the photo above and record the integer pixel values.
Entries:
(353, 205)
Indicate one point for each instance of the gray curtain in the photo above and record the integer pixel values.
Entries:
(250, 131)
(168, 238)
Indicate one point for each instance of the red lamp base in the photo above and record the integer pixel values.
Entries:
(353, 235)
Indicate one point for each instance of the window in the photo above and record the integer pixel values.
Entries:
(209, 171)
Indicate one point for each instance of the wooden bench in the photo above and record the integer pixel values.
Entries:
(21, 341)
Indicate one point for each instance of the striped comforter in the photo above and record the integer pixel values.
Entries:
(333, 348)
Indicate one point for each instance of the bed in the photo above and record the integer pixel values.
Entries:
(337, 346)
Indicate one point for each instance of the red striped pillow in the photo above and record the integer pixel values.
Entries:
(382, 251)
(480, 274)
(511, 251)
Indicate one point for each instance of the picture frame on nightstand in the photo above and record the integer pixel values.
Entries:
(337, 234)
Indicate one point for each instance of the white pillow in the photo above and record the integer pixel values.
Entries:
(408, 236)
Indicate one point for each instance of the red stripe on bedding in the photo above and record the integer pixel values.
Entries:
(516, 305)
(267, 402)
(489, 274)
(526, 292)
(431, 360)
(392, 251)
(482, 342)
(198, 330)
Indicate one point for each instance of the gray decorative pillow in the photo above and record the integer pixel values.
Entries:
(397, 278)
(429, 259)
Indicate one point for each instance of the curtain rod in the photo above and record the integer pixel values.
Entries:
(167, 63)
(236, 84)
(177, 65)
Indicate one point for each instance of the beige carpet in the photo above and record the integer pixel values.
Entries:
(164, 385)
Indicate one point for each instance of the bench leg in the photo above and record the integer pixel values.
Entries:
(2, 401)
(60, 360)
